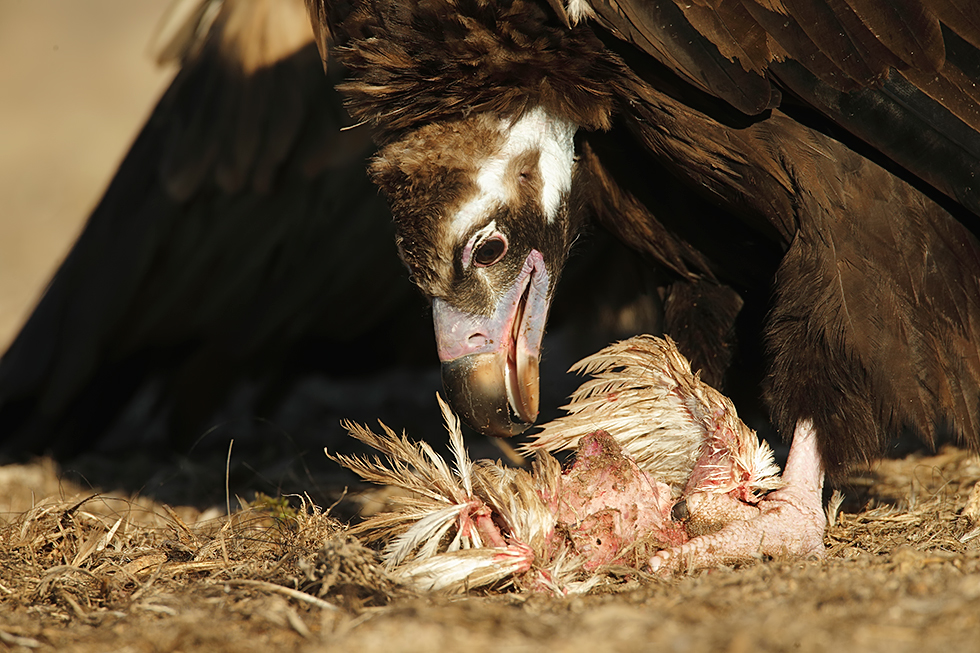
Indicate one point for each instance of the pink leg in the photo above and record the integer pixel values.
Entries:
(792, 522)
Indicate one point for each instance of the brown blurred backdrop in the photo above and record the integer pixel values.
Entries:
(77, 81)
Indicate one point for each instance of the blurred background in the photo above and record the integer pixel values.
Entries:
(77, 81)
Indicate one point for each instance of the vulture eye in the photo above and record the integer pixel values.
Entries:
(490, 251)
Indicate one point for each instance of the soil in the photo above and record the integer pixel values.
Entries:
(85, 571)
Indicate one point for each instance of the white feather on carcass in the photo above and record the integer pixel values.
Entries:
(649, 436)
(644, 393)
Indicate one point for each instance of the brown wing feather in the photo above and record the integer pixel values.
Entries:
(883, 311)
(730, 27)
(661, 30)
(907, 28)
(790, 41)
(902, 76)
(244, 119)
(843, 37)
(224, 240)
(847, 44)
(955, 86)
(877, 309)
(961, 16)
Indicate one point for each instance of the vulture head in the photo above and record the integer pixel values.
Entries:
(477, 121)
(481, 206)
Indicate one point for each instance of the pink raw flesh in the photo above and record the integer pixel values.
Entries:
(790, 522)
(606, 504)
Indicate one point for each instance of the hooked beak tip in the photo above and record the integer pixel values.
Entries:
(477, 388)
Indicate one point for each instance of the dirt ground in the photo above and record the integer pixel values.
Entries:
(82, 571)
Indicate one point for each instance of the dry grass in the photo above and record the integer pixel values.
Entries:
(75, 569)
(91, 572)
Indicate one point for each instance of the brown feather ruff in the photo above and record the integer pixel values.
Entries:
(415, 63)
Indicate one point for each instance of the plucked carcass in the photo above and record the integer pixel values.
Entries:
(663, 467)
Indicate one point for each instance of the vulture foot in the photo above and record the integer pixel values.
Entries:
(791, 522)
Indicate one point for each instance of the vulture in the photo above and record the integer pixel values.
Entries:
(799, 176)
(833, 146)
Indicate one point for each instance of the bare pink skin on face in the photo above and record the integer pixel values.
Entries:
(790, 522)
(606, 503)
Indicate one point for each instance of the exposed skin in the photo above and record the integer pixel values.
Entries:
(602, 510)
(791, 522)
(621, 502)
(607, 503)
(490, 194)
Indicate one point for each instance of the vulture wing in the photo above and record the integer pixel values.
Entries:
(875, 323)
(900, 75)
(240, 225)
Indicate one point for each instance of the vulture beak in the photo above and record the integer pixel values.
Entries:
(490, 363)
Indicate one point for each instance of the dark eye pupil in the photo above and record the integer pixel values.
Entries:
(490, 251)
